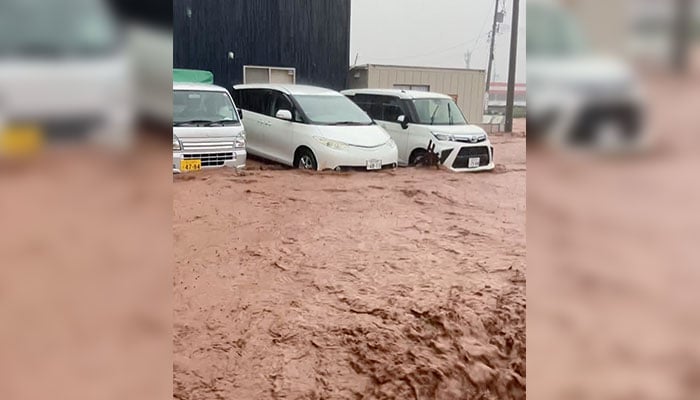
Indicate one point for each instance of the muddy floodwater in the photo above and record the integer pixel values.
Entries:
(403, 284)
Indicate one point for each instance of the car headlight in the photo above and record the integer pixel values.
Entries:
(177, 144)
(444, 137)
(239, 142)
(391, 144)
(333, 144)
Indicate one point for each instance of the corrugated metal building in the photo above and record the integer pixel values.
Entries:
(466, 86)
(310, 38)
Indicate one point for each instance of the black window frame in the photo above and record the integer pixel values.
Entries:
(376, 102)
(367, 104)
(391, 101)
(243, 99)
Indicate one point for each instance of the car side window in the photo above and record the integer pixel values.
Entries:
(253, 100)
(236, 97)
(391, 109)
(368, 104)
(280, 102)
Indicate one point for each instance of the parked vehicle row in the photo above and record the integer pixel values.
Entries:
(314, 128)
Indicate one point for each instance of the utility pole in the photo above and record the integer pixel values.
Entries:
(493, 43)
(511, 67)
(681, 35)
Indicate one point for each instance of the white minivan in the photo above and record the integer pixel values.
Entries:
(311, 128)
(207, 132)
(414, 119)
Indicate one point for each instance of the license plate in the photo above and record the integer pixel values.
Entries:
(190, 165)
(474, 162)
(21, 140)
(374, 164)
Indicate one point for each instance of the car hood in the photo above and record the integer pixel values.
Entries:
(202, 132)
(457, 130)
(361, 135)
(585, 72)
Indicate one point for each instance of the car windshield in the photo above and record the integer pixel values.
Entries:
(552, 32)
(56, 28)
(203, 107)
(438, 112)
(332, 110)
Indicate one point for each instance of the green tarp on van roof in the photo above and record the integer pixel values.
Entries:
(192, 76)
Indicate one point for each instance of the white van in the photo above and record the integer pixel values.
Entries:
(207, 132)
(311, 128)
(64, 71)
(414, 119)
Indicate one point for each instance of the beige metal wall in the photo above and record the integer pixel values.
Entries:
(605, 23)
(358, 78)
(261, 74)
(468, 85)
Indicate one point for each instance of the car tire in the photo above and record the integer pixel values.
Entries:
(305, 159)
(417, 157)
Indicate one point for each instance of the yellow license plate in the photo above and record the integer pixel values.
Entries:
(190, 165)
(21, 140)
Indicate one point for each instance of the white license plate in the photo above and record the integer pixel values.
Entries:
(374, 164)
(474, 162)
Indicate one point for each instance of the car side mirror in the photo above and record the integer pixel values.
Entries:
(403, 121)
(284, 114)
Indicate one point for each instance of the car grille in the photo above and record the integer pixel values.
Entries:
(210, 159)
(627, 116)
(189, 145)
(70, 128)
(465, 153)
(465, 140)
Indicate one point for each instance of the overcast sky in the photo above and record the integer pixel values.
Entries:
(434, 33)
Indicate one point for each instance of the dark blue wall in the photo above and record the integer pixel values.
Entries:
(311, 35)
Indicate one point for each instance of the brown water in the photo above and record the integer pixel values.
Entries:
(405, 284)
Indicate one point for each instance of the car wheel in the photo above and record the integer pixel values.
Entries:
(306, 160)
(417, 157)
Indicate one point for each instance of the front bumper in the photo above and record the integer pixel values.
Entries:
(231, 159)
(461, 157)
(355, 157)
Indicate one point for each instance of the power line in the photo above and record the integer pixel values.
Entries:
(481, 32)
(433, 52)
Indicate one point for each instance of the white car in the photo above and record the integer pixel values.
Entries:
(415, 119)
(577, 98)
(311, 128)
(207, 131)
(65, 72)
